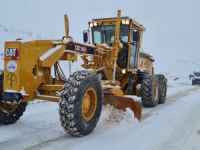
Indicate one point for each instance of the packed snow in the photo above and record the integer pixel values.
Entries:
(40, 127)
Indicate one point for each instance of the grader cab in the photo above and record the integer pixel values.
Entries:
(113, 67)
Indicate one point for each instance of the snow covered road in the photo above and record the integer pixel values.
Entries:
(174, 125)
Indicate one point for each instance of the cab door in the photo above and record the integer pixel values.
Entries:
(134, 48)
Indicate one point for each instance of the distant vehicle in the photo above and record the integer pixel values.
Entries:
(195, 78)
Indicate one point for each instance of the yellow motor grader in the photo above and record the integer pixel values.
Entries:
(113, 67)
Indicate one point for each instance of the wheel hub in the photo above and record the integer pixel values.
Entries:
(89, 104)
(86, 102)
(156, 90)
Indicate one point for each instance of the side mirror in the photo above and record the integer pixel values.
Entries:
(85, 36)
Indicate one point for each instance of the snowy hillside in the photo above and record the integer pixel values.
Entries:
(169, 34)
(172, 68)
(12, 33)
(172, 42)
(177, 71)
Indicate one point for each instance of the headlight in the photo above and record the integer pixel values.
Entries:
(95, 23)
(123, 71)
(127, 22)
(91, 24)
(123, 21)
(67, 40)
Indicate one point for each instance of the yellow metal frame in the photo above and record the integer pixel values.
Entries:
(36, 58)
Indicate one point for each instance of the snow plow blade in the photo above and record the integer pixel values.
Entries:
(122, 103)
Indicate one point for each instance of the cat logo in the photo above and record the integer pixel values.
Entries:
(11, 53)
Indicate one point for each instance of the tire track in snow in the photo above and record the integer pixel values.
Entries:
(170, 99)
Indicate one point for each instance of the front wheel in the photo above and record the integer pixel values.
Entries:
(81, 103)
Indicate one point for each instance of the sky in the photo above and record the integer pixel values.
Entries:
(171, 25)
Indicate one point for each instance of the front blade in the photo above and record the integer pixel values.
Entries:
(122, 103)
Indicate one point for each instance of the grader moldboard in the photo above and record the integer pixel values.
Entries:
(117, 68)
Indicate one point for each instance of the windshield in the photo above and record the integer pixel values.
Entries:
(197, 74)
(105, 34)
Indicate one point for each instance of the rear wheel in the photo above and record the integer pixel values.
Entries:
(163, 93)
(9, 117)
(162, 88)
(81, 103)
(150, 91)
(12, 117)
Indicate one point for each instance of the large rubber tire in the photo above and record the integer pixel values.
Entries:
(12, 117)
(162, 88)
(147, 91)
(70, 110)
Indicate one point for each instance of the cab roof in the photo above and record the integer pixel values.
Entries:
(134, 22)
